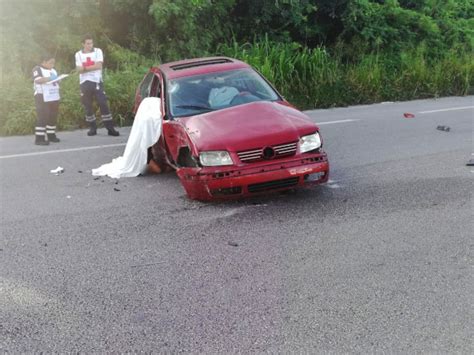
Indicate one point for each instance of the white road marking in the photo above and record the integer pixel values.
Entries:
(449, 109)
(61, 151)
(332, 122)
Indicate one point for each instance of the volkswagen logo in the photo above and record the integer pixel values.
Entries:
(268, 153)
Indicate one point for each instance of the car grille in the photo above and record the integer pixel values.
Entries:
(273, 185)
(280, 150)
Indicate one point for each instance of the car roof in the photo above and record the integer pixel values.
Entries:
(191, 67)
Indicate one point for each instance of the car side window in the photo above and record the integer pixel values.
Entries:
(155, 90)
(145, 86)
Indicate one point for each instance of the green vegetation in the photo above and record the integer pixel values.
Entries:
(316, 78)
(318, 53)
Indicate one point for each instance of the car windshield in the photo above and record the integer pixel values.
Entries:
(214, 91)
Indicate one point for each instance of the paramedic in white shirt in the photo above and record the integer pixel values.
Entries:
(89, 64)
(46, 100)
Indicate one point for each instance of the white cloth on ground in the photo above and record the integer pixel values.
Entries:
(146, 131)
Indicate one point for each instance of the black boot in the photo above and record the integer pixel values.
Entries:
(113, 132)
(110, 128)
(92, 129)
(39, 140)
(52, 138)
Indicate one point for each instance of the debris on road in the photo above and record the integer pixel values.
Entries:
(68, 196)
(79, 171)
(470, 162)
(408, 115)
(233, 244)
(443, 128)
(115, 189)
(57, 171)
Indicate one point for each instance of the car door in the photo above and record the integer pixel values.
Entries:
(174, 136)
(143, 90)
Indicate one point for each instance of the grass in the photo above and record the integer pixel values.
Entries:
(313, 78)
(309, 78)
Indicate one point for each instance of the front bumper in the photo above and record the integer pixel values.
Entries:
(233, 182)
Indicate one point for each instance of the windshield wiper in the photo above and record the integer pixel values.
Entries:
(196, 107)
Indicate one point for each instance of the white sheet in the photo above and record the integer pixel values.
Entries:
(146, 131)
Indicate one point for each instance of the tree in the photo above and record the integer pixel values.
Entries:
(189, 28)
(57, 30)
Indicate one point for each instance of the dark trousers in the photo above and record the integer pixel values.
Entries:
(89, 91)
(46, 115)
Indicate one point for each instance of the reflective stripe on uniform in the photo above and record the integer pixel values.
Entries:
(106, 117)
(40, 131)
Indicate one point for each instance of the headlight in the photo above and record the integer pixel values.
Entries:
(311, 142)
(216, 158)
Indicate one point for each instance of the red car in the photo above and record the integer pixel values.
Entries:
(228, 133)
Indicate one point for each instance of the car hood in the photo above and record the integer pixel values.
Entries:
(247, 126)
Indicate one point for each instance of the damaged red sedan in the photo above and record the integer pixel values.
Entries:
(228, 133)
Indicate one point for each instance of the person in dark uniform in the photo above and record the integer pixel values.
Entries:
(89, 62)
(46, 100)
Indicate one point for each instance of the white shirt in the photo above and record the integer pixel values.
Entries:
(49, 91)
(88, 59)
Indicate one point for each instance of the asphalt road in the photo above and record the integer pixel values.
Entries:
(377, 260)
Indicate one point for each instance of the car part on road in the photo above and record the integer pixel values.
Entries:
(408, 115)
(443, 128)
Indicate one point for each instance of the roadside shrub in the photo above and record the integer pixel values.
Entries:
(312, 78)
(18, 114)
(309, 78)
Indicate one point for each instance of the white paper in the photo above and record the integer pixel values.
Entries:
(146, 131)
(61, 77)
(57, 171)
